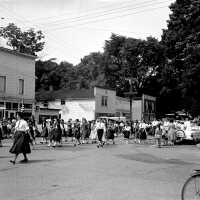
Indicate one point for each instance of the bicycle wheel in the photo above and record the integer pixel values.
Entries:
(191, 188)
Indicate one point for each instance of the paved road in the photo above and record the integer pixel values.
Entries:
(115, 172)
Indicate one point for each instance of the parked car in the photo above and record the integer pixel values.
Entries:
(193, 133)
(180, 135)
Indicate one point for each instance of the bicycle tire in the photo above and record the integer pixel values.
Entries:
(188, 184)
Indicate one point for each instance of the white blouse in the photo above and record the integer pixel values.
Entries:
(100, 125)
(21, 125)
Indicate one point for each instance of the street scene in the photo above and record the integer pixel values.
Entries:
(99, 99)
(122, 171)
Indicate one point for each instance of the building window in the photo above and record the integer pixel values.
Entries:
(2, 83)
(15, 106)
(21, 86)
(28, 106)
(8, 106)
(62, 102)
(104, 101)
(45, 103)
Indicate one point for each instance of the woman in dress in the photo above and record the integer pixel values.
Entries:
(44, 133)
(63, 129)
(21, 139)
(57, 133)
(93, 133)
(76, 132)
(158, 135)
(84, 131)
(127, 132)
(51, 134)
(110, 132)
(69, 129)
(1, 135)
(101, 130)
(171, 133)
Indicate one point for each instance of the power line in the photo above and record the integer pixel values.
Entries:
(104, 19)
(104, 13)
(110, 30)
(88, 11)
(22, 21)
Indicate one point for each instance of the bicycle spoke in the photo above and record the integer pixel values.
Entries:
(191, 190)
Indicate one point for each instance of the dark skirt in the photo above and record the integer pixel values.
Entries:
(69, 133)
(110, 134)
(64, 133)
(32, 132)
(1, 135)
(85, 134)
(21, 143)
(77, 134)
(143, 135)
(57, 135)
(100, 134)
(51, 134)
(44, 132)
(126, 134)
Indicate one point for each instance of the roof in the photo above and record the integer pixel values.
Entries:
(64, 94)
(104, 87)
(127, 99)
(17, 53)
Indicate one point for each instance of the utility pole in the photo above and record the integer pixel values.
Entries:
(131, 95)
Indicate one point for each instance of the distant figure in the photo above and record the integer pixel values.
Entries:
(76, 132)
(158, 135)
(110, 132)
(85, 131)
(101, 130)
(1, 135)
(127, 132)
(171, 133)
(44, 133)
(93, 133)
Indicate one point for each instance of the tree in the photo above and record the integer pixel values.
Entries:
(182, 41)
(29, 41)
(53, 76)
(132, 58)
(90, 70)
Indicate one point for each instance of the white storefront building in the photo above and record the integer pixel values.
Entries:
(89, 104)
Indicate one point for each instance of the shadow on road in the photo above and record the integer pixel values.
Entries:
(147, 158)
(1, 157)
(38, 161)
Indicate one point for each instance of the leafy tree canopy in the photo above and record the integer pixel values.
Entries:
(28, 41)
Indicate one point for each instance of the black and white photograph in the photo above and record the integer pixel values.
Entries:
(100, 99)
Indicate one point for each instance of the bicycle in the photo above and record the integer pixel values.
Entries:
(191, 187)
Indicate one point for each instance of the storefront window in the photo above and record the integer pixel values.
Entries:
(15, 106)
(8, 106)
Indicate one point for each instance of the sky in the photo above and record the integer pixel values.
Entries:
(75, 28)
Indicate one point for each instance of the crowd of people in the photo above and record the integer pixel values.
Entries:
(55, 132)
